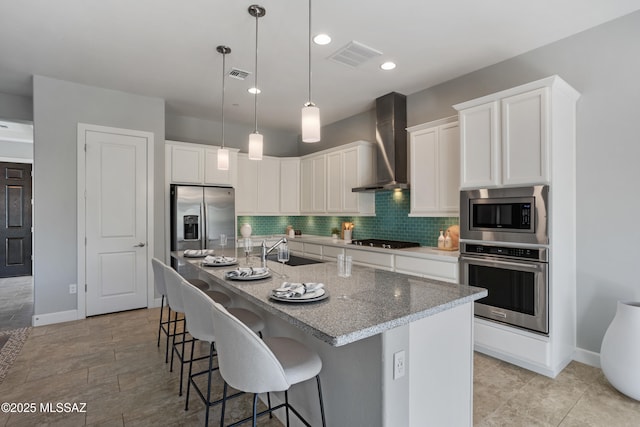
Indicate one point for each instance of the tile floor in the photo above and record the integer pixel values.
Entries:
(16, 302)
(112, 363)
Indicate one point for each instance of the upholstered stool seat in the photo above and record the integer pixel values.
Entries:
(219, 297)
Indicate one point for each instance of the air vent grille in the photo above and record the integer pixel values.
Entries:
(239, 74)
(354, 54)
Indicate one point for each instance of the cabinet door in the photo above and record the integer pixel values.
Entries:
(479, 146)
(525, 147)
(449, 169)
(335, 182)
(247, 190)
(290, 186)
(424, 170)
(350, 174)
(319, 184)
(213, 175)
(268, 185)
(187, 164)
(306, 185)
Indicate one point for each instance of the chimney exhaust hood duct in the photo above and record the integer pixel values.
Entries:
(391, 144)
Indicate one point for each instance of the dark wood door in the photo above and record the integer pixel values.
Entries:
(15, 219)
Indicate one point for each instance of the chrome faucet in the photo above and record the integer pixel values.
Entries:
(264, 251)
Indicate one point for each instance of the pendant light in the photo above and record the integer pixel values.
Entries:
(255, 139)
(310, 113)
(223, 153)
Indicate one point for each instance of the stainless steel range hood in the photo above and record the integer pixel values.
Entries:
(391, 142)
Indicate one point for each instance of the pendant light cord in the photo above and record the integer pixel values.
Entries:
(309, 103)
(224, 56)
(255, 97)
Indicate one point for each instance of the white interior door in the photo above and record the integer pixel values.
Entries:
(115, 221)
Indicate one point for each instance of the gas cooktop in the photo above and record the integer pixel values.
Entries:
(387, 244)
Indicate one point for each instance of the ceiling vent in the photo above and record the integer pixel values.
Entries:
(354, 54)
(239, 74)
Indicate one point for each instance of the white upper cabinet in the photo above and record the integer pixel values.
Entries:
(188, 163)
(329, 176)
(290, 186)
(506, 138)
(480, 146)
(258, 189)
(435, 168)
(525, 141)
(313, 184)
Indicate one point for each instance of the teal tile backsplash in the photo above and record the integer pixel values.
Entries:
(391, 222)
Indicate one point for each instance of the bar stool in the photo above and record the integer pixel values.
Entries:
(173, 282)
(219, 297)
(161, 288)
(252, 365)
(198, 312)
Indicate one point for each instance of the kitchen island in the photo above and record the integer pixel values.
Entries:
(366, 320)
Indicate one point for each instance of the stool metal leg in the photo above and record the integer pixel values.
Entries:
(255, 409)
(160, 322)
(224, 403)
(208, 403)
(186, 403)
(324, 422)
(173, 345)
(286, 401)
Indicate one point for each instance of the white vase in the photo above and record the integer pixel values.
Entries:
(245, 230)
(620, 352)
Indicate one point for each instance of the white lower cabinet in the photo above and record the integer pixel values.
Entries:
(380, 260)
(331, 252)
(296, 248)
(429, 268)
(313, 250)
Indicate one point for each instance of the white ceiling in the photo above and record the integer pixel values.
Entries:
(167, 48)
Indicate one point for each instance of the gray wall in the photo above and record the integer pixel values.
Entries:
(603, 64)
(16, 107)
(58, 108)
(359, 127)
(200, 131)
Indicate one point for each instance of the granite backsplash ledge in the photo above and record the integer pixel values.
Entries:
(391, 222)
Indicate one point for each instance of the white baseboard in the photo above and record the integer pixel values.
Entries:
(51, 318)
(587, 357)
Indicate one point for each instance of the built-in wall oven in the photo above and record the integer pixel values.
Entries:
(504, 248)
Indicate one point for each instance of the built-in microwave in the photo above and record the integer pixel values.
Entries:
(517, 215)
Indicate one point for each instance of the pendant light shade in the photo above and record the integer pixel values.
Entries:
(310, 113)
(223, 153)
(310, 123)
(255, 146)
(223, 159)
(255, 139)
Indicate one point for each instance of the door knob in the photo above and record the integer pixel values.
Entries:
(139, 245)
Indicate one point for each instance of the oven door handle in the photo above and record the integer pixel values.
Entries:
(496, 262)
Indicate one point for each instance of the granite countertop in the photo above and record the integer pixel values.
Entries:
(418, 252)
(367, 303)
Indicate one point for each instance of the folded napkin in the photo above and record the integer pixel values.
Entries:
(251, 271)
(218, 259)
(197, 252)
(296, 290)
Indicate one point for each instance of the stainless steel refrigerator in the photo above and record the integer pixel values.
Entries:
(199, 215)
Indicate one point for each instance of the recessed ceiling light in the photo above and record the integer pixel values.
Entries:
(253, 90)
(322, 39)
(388, 66)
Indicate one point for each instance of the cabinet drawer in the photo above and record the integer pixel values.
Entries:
(315, 251)
(439, 270)
(331, 252)
(297, 247)
(371, 259)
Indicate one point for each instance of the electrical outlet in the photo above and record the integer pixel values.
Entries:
(398, 364)
(73, 288)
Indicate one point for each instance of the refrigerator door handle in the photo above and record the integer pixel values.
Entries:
(203, 218)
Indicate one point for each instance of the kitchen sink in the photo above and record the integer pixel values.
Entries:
(295, 260)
